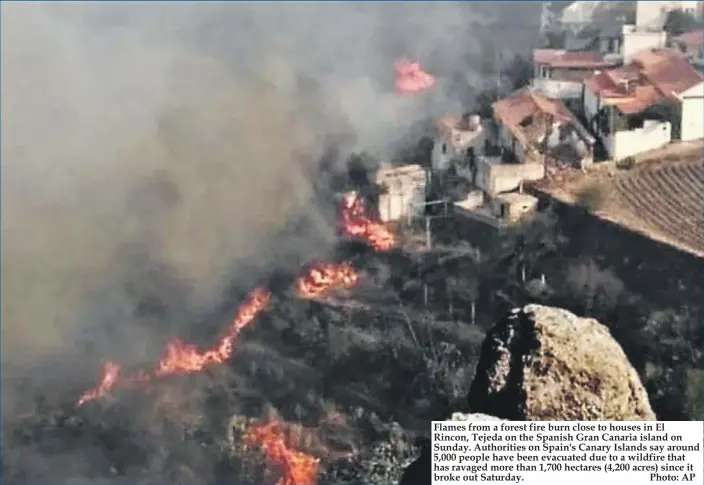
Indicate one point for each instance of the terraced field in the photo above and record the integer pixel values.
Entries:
(666, 201)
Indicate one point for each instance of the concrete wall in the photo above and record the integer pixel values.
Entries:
(654, 134)
(558, 89)
(509, 142)
(635, 41)
(692, 125)
(405, 192)
(504, 177)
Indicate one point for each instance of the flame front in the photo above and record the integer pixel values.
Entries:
(411, 78)
(356, 223)
(183, 358)
(322, 278)
(111, 373)
(293, 467)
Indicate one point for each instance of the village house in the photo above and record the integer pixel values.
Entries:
(500, 211)
(632, 109)
(559, 74)
(691, 45)
(533, 127)
(455, 136)
(402, 192)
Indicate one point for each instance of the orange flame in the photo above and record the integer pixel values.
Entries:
(293, 467)
(324, 277)
(411, 78)
(182, 358)
(356, 223)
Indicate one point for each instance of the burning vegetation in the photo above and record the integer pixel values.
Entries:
(292, 467)
(411, 78)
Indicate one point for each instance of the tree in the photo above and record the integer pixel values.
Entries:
(678, 22)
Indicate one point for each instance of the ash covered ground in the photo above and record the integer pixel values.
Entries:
(159, 162)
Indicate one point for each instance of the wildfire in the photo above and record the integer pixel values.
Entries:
(324, 277)
(356, 223)
(411, 78)
(294, 467)
(183, 358)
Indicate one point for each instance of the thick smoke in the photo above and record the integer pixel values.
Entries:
(152, 152)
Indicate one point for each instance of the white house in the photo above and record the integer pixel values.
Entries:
(403, 192)
(632, 109)
(558, 73)
(454, 137)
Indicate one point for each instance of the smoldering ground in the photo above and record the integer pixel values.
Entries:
(153, 153)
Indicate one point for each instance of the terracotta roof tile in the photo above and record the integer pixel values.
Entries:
(694, 38)
(564, 58)
(668, 71)
(524, 103)
(653, 75)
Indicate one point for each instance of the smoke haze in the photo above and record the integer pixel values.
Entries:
(152, 152)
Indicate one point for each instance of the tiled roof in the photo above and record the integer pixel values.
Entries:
(653, 76)
(694, 38)
(523, 104)
(566, 59)
(668, 71)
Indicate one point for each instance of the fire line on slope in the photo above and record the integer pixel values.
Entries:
(294, 467)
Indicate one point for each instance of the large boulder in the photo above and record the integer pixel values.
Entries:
(544, 363)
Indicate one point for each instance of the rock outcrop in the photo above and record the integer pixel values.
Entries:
(546, 364)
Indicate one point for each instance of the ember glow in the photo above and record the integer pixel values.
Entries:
(411, 78)
(356, 223)
(291, 467)
(325, 277)
(182, 358)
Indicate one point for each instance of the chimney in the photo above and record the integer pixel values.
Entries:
(474, 122)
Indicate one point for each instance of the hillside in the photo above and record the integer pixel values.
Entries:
(661, 197)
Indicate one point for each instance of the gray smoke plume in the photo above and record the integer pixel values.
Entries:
(152, 152)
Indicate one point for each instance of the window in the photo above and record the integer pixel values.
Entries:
(545, 72)
(444, 148)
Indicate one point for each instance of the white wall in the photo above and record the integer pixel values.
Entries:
(404, 186)
(396, 206)
(498, 178)
(692, 124)
(654, 134)
(636, 41)
(558, 89)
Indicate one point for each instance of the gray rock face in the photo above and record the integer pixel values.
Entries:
(544, 363)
